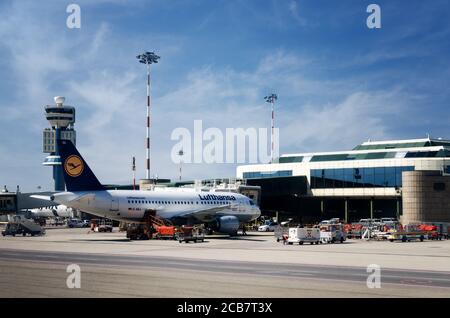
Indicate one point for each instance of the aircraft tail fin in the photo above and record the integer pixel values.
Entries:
(77, 174)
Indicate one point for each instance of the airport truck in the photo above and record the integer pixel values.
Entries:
(406, 236)
(194, 234)
(302, 235)
(331, 233)
(166, 232)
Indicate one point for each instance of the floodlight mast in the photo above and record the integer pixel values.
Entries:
(271, 99)
(181, 154)
(148, 58)
(133, 168)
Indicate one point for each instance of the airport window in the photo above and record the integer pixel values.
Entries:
(421, 154)
(268, 174)
(329, 157)
(358, 177)
(290, 159)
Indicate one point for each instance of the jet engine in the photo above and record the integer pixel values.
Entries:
(227, 224)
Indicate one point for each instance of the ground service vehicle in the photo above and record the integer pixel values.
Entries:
(23, 227)
(191, 234)
(166, 232)
(101, 225)
(281, 231)
(331, 233)
(406, 236)
(302, 235)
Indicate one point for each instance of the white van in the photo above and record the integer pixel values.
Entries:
(302, 235)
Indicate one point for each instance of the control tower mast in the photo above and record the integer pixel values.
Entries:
(61, 119)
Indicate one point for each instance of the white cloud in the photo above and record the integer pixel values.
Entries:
(295, 12)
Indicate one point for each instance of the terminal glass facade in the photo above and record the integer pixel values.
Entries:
(269, 174)
(378, 177)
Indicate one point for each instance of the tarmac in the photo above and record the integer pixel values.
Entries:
(247, 266)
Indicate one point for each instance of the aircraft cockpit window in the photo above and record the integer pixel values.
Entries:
(251, 202)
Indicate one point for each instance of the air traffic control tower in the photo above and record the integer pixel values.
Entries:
(61, 119)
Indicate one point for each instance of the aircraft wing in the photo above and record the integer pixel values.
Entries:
(208, 214)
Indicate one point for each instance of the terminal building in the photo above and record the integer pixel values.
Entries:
(406, 179)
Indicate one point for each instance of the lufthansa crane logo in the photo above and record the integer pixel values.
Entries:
(74, 166)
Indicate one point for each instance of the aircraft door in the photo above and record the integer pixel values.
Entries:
(114, 204)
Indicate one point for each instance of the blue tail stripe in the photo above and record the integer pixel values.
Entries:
(77, 174)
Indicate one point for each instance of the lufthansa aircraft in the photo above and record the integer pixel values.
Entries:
(223, 211)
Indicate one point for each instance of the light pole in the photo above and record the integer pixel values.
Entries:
(271, 99)
(181, 153)
(148, 58)
(133, 168)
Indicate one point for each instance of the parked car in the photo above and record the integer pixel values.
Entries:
(269, 227)
(72, 223)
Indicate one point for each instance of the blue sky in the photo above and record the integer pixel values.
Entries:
(338, 82)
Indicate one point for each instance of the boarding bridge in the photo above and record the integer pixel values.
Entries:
(13, 202)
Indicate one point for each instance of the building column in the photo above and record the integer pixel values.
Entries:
(346, 210)
(322, 208)
(398, 209)
(371, 208)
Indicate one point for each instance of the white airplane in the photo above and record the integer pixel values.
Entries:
(51, 211)
(223, 211)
